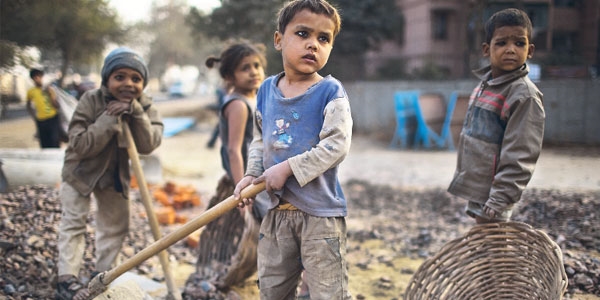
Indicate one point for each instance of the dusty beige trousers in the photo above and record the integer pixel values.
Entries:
(291, 241)
(112, 225)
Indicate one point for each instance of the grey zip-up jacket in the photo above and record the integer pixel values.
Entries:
(97, 152)
(501, 139)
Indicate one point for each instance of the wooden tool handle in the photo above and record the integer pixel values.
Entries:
(163, 256)
(100, 282)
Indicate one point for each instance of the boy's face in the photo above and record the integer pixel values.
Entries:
(248, 75)
(125, 84)
(306, 43)
(508, 50)
(37, 80)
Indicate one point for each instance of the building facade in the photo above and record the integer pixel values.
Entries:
(444, 37)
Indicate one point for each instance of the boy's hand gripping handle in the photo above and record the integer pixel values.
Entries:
(100, 282)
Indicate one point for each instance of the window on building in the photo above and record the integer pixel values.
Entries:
(401, 31)
(440, 25)
(538, 13)
(539, 39)
(564, 43)
(566, 3)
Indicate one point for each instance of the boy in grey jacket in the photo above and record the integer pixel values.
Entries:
(96, 161)
(502, 134)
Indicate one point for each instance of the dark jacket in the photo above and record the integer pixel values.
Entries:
(501, 139)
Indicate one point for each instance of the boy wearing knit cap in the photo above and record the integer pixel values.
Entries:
(96, 161)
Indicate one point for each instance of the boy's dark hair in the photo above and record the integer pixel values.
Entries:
(35, 72)
(232, 56)
(321, 7)
(507, 17)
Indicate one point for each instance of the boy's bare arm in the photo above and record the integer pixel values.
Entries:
(30, 108)
(334, 144)
(255, 162)
(521, 148)
(53, 99)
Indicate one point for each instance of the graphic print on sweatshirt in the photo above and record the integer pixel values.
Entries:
(284, 140)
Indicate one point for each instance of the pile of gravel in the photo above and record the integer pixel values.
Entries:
(423, 221)
(29, 219)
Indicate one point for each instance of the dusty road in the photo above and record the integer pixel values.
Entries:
(372, 160)
(186, 160)
(185, 157)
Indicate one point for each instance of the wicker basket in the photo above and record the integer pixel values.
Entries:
(509, 260)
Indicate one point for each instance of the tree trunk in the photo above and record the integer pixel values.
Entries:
(66, 62)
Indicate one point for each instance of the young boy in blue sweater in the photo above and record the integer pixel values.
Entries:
(303, 132)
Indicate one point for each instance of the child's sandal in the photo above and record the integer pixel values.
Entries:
(71, 289)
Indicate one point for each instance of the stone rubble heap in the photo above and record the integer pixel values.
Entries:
(422, 222)
(29, 219)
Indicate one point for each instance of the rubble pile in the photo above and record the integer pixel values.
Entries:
(412, 223)
(29, 219)
(424, 220)
(572, 220)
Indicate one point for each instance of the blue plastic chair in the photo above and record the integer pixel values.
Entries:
(405, 103)
(444, 140)
(427, 137)
(446, 134)
(423, 134)
(407, 106)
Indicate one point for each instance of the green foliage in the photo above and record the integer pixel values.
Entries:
(253, 20)
(249, 19)
(365, 23)
(171, 39)
(77, 29)
(394, 68)
(431, 71)
(8, 53)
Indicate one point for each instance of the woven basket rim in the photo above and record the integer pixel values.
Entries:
(493, 259)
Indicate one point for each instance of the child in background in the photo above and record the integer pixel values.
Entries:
(242, 67)
(96, 161)
(220, 95)
(503, 130)
(43, 108)
(303, 133)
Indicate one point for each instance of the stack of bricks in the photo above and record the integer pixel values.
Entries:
(171, 199)
(174, 198)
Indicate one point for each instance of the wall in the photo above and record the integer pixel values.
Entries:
(572, 111)
(15, 85)
(572, 106)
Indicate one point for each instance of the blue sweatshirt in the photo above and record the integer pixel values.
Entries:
(313, 132)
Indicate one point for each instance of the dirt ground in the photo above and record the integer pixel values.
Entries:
(399, 212)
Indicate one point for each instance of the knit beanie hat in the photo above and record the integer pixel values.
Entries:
(123, 57)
